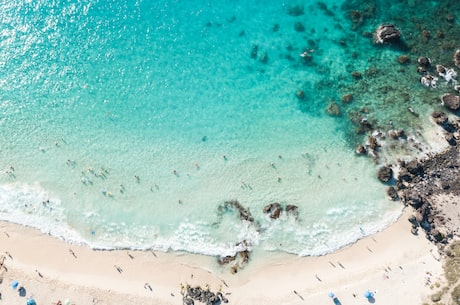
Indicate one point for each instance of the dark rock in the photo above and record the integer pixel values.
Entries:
(438, 236)
(413, 198)
(225, 260)
(414, 167)
(440, 117)
(387, 33)
(361, 150)
(441, 69)
(244, 255)
(274, 209)
(373, 143)
(424, 62)
(451, 101)
(192, 294)
(404, 175)
(450, 139)
(418, 217)
(385, 174)
(396, 134)
(392, 193)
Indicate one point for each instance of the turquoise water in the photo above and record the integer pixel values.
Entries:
(126, 124)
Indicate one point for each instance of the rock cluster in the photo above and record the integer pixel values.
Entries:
(202, 295)
(449, 100)
(238, 260)
(241, 257)
(419, 181)
(274, 210)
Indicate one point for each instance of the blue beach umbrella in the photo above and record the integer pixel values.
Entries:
(368, 294)
(331, 295)
(31, 302)
(14, 284)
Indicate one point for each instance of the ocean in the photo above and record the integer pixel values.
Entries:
(130, 124)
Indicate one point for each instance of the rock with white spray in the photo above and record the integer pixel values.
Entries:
(429, 81)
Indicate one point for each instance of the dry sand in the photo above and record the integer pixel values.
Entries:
(394, 264)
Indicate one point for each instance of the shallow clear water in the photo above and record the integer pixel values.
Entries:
(137, 120)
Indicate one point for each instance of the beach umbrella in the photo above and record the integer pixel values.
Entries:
(66, 302)
(14, 284)
(31, 302)
(368, 294)
(331, 295)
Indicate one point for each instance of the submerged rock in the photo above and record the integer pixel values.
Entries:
(300, 94)
(333, 109)
(387, 33)
(347, 98)
(403, 59)
(296, 10)
(292, 210)
(243, 213)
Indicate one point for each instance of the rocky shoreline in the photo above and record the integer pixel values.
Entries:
(420, 183)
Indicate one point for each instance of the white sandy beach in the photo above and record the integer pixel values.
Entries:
(394, 264)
